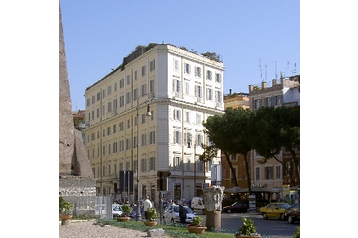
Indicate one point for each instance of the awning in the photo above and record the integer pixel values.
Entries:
(236, 189)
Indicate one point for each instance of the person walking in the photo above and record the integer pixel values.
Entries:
(182, 214)
(146, 205)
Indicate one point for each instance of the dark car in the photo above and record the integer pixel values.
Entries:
(292, 214)
(133, 213)
(236, 207)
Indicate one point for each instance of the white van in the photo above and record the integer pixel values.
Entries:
(197, 205)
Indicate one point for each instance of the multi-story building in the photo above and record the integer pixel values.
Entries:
(269, 176)
(180, 89)
(234, 100)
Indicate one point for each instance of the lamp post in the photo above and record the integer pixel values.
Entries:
(194, 144)
(150, 98)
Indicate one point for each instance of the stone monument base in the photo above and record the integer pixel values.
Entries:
(79, 191)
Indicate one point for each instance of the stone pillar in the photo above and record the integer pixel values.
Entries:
(213, 197)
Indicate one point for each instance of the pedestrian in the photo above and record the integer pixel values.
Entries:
(182, 214)
(146, 205)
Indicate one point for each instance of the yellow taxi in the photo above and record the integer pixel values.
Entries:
(274, 210)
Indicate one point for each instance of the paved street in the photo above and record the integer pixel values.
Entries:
(273, 228)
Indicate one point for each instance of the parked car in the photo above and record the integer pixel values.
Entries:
(274, 210)
(172, 214)
(236, 207)
(117, 210)
(292, 214)
(133, 213)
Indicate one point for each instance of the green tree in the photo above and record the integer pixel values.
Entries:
(210, 152)
(230, 133)
(274, 128)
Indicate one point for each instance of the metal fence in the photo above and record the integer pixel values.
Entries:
(92, 206)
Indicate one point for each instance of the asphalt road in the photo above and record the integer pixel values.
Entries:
(272, 228)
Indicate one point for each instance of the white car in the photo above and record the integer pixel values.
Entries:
(171, 214)
(116, 210)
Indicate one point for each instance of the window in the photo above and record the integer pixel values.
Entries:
(199, 139)
(198, 72)
(187, 116)
(187, 68)
(92, 115)
(115, 148)
(135, 142)
(152, 137)
(109, 90)
(128, 79)
(93, 99)
(151, 86)
(135, 75)
(151, 163)
(143, 118)
(218, 97)
(257, 173)
(177, 162)
(177, 115)
(278, 172)
(97, 113)
(115, 106)
(143, 70)
(128, 144)
(268, 172)
(136, 121)
(276, 100)
(128, 97)
(176, 86)
(267, 101)
(108, 131)
(98, 96)
(176, 65)
(109, 149)
(198, 118)
(187, 163)
(121, 126)
(109, 106)
(103, 109)
(218, 78)
(143, 165)
(128, 124)
(103, 93)
(121, 83)
(121, 145)
(114, 129)
(209, 94)
(135, 94)
(187, 88)
(152, 65)
(88, 102)
(256, 103)
(115, 87)
(177, 137)
(144, 139)
(144, 89)
(198, 91)
(121, 101)
(209, 75)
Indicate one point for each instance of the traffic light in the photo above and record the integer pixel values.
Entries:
(162, 184)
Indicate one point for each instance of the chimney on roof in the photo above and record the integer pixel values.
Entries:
(251, 88)
(274, 82)
(230, 91)
(263, 85)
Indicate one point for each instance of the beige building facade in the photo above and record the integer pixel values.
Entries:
(180, 89)
(269, 177)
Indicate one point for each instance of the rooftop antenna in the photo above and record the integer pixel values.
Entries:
(275, 69)
(265, 72)
(288, 66)
(260, 70)
(294, 70)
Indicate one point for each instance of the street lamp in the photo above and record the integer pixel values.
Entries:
(189, 143)
(150, 98)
